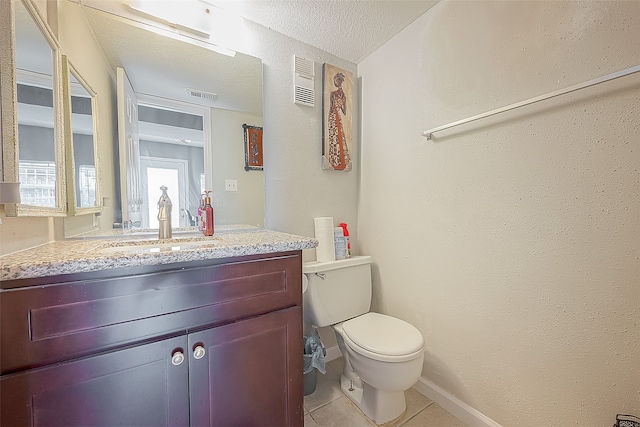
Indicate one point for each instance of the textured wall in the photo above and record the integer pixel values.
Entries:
(511, 243)
(296, 187)
(245, 206)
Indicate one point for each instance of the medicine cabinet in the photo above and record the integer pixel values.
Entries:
(32, 113)
(81, 142)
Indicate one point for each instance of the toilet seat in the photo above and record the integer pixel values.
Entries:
(382, 337)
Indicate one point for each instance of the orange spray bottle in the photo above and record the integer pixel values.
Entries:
(346, 237)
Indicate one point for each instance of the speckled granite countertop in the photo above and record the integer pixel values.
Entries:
(93, 253)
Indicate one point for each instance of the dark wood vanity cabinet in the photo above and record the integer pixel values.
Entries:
(205, 343)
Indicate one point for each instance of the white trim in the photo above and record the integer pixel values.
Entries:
(446, 400)
(162, 103)
(453, 405)
(33, 78)
(191, 108)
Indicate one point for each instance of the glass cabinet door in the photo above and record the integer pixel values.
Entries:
(33, 146)
(81, 138)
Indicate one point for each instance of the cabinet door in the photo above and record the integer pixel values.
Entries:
(138, 386)
(250, 373)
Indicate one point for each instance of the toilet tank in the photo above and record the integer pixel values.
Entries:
(337, 290)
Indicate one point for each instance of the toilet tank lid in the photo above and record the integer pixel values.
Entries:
(318, 267)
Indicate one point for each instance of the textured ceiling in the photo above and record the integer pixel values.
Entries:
(349, 29)
(161, 66)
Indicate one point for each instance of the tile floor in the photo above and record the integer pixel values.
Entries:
(329, 407)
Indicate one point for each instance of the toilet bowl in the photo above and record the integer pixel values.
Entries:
(385, 372)
(383, 355)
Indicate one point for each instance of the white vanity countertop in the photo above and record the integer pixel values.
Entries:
(101, 253)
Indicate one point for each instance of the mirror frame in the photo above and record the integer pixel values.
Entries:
(9, 116)
(72, 208)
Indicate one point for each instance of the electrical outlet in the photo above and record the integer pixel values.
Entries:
(231, 185)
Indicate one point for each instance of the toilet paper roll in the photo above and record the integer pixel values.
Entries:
(305, 283)
(326, 251)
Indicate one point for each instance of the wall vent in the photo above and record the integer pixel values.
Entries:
(303, 76)
(304, 96)
(202, 94)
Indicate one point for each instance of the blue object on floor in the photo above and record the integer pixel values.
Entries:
(313, 353)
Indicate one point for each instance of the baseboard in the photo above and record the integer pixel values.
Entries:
(332, 353)
(456, 407)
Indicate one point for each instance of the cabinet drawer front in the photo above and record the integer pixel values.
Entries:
(46, 324)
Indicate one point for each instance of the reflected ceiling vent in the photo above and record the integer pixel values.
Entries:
(303, 74)
(202, 94)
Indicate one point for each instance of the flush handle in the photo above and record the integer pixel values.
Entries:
(321, 275)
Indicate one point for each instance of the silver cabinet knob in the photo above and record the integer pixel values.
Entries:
(177, 358)
(199, 352)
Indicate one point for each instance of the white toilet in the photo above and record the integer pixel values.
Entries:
(383, 355)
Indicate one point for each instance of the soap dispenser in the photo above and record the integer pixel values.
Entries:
(207, 226)
(164, 215)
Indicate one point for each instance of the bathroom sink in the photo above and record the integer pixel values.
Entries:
(167, 245)
(181, 232)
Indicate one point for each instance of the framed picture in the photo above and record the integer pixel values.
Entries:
(252, 147)
(337, 118)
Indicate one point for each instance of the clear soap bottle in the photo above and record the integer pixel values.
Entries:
(201, 214)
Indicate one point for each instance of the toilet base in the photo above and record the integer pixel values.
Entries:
(379, 405)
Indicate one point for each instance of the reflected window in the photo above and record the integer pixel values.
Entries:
(38, 183)
(36, 111)
(83, 141)
(86, 186)
(37, 165)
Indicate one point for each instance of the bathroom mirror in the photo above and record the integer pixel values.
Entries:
(182, 70)
(32, 115)
(81, 138)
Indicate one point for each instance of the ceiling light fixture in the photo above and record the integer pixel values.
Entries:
(185, 18)
(168, 22)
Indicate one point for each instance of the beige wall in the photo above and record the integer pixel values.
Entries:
(296, 188)
(83, 51)
(245, 206)
(511, 243)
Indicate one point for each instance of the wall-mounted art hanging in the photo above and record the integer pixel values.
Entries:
(252, 147)
(337, 106)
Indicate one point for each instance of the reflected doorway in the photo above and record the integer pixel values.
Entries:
(155, 173)
(172, 153)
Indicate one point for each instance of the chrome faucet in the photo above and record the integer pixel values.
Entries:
(164, 215)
